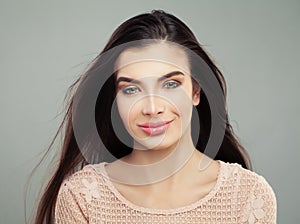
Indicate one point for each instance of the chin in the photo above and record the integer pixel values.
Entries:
(165, 144)
(165, 141)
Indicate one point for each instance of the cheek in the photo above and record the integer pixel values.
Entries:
(181, 102)
(184, 107)
(123, 109)
(127, 110)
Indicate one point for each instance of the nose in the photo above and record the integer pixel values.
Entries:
(153, 106)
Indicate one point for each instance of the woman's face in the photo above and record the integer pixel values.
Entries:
(155, 95)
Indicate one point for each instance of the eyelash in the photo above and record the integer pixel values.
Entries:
(173, 82)
(130, 90)
(126, 88)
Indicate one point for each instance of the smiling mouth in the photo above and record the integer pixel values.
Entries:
(157, 128)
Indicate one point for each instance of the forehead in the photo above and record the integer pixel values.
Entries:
(154, 60)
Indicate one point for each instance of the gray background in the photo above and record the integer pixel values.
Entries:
(45, 45)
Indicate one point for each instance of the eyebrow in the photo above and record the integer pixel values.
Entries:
(166, 76)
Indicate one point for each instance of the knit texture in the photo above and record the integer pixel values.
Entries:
(239, 196)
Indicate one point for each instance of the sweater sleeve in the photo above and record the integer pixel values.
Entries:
(262, 204)
(265, 192)
(70, 206)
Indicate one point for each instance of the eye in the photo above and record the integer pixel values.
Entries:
(129, 90)
(171, 84)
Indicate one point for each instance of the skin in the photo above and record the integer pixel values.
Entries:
(148, 93)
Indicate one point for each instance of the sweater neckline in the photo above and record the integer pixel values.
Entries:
(102, 170)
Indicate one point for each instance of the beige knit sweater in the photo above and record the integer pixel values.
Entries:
(239, 196)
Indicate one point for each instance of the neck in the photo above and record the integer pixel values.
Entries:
(151, 166)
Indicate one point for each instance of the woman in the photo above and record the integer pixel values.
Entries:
(155, 115)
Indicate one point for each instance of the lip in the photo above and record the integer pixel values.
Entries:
(155, 128)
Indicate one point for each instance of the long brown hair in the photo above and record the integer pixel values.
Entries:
(155, 25)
